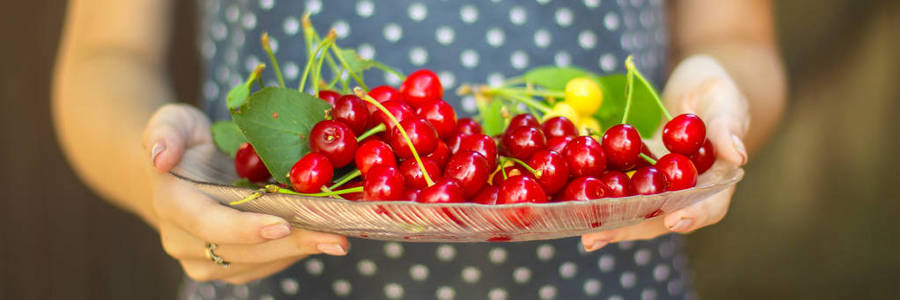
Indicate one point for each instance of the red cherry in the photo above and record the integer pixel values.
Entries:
(383, 94)
(622, 144)
(646, 151)
(684, 134)
(648, 181)
(329, 96)
(559, 127)
(511, 171)
(679, 170)
(521, 189)
(400, 111)
(383, 183)
(470, 169)
(352, 196)
(585, 156)
(420, 87)
(617, 184)
(334, 139)
(441, 115)
(705, 157)
(467, 126)
(412, 194)
(583, 189)
(454, 142)
(553, 170)
(488, 195)
(482, 144)
(374, 153)
(352, 111)
(413, 176)
(422, 135)
(248, 164)
(311, 173)
(558, 144)
(440, 155)
(522, 120)
(523, 141)
(443, 191)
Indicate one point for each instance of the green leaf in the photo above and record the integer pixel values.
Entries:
(645, 114)
(228, 136)
(356, 63)
(277, 122)
(492, 118)
(244, 182)
(554, 78)
(237, 96)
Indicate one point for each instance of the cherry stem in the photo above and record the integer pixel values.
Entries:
(648, 159)
(388, 69)
(530, 91)
(527, 100)
(337, 53)
(370, 132)
(271, 188)
(308, 32)
(629, 65)
(333, 195)
(268, 47)
(498, 169)
(317, 71)
(324, 44)
(346, 178)
(360, 93)
(536, 173)
(255, 74)
(629, 88)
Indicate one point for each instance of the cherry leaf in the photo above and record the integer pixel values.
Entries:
(228, 137)
(645, 115)
(554, 78)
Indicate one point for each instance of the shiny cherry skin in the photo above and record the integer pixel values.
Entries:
(585, 157)
(617, 184)
(522, 120)
(441, 115)
(334, 139)
(684, 134)
(705, 157)
(559, 127)
(413, 176)
(374, 153)
(558, 144)
(384, 183)
(467, 126)
(383, 94)
(622, 144)
(553, 170)
(420, 87)
(352, 111)
(511, 171)
(488, 195)
(482, 144)
(648, 181)
(412, 194)
(329, 96)
(311, 173)
(583, 188)
(420, 132)
(454, 142)
(399, 110)
(443, 191)
(470, 169)
(248, 164)
(679, 171)
(521, 189)
(523, 141)
(440, 155)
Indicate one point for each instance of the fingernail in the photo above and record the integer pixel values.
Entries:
(332, 249)
(739, 146)
(276, 231)
(682, 225)
(155, 151)
(597, 245)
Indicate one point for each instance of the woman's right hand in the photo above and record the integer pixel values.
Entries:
(256, 245)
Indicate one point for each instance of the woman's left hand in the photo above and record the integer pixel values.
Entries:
(699, 85)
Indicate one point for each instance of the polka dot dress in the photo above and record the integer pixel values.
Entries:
(473, 41)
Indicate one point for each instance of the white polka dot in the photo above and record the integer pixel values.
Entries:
(234, 80)
(562, 59)
(647, 18)
(606, 262)
(495, 79)
(587, 39)
(674, 287)
(341, 287)
(611, 21)
(250, 63)
(273, 43)
(289, 286)
(219, 31)
(469, 104)
(445, 293)
(607, 62)
(626, 245)
(519, 59)
(365, 8)
(393, 32)
(568, 269)
(393, 250)
(266, 297)
(341, 28)
(445, 252)
(231, 56)
(314, 266)
(517, 15)
(469, 58)
(615, 297)
(248, 20)
(648, 294)
(661, 272)
(564, 17)
(291, 70)
(444, 35)
(366, 51)
(666, 249)
(232, 13)
(592, 287)
(418, 272)
(521, 275)
(313, 6)
(642, 256)
(291, 26)
(628, 279)
(547, 292)
(469, 14)
(366, 267)
(495, 37)
(497, 255)
(447, 79)
(417, 12)
(542, 2)
(266, 4)
(471, 274)
(545, 252)
(210, 90)
(542, 38)
(418, 56)
(237, 38)
(497, 294)
(208, 49)
(393, 291)
(391, 78)
(592, 3)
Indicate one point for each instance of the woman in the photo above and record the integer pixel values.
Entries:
(111, 93)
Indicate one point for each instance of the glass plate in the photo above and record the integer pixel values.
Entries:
(212, 172)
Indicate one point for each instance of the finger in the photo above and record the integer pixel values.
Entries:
(170, 130)
(206, 270)
(700, 214)
(206, 219)
(643, 231)
(262, 271)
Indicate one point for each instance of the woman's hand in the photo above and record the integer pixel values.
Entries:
(256, 245)
(701, 86)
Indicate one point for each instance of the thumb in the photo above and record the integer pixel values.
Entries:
(172, 129)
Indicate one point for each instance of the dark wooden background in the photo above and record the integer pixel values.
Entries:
(816, 216)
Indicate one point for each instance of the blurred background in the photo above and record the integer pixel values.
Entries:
(814, 218)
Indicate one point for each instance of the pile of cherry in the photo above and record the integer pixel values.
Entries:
(454, 161)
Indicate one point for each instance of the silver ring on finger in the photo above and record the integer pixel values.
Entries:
(211, 255)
